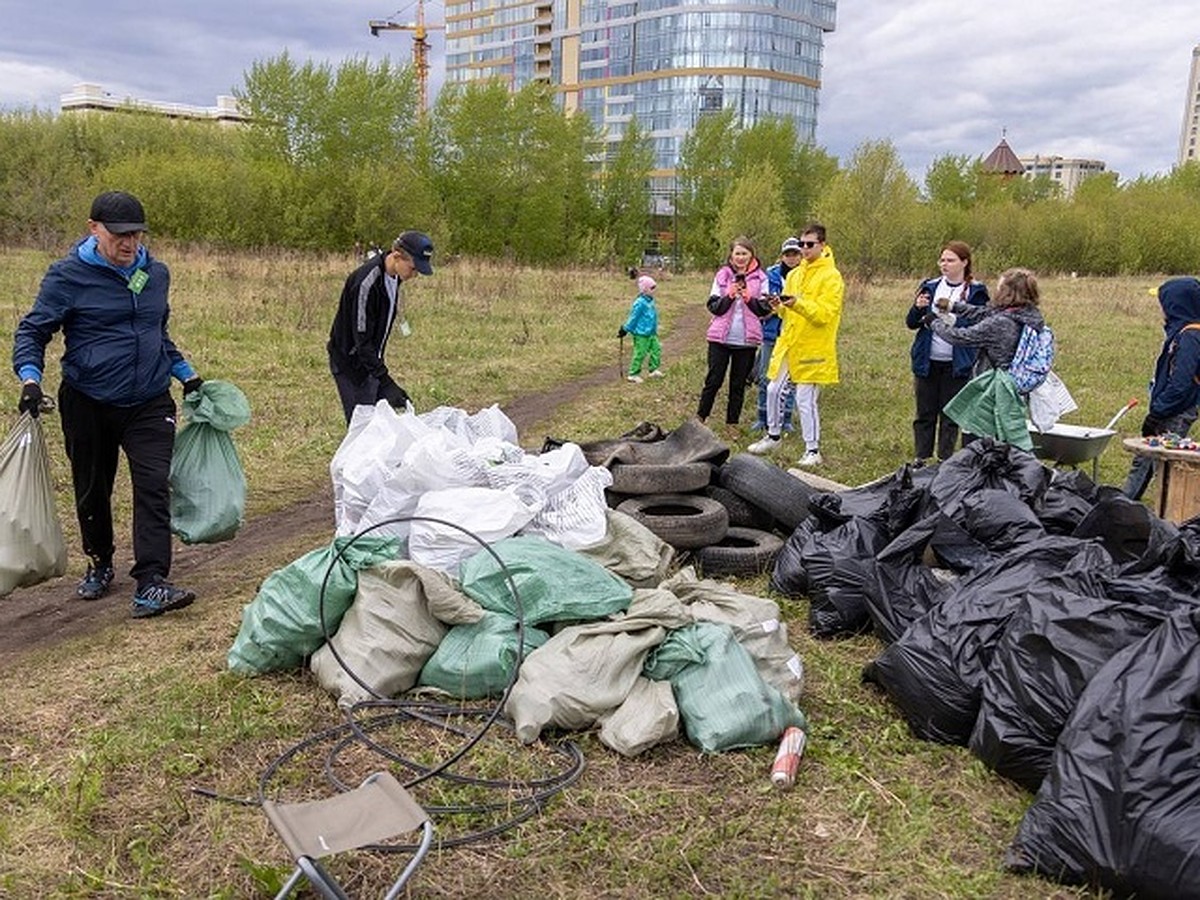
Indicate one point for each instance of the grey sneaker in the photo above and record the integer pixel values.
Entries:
(95, 583)
(159, 597)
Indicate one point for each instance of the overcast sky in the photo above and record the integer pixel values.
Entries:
(1098, 79)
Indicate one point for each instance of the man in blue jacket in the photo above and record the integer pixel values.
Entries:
(109, 297)
(1175, 390)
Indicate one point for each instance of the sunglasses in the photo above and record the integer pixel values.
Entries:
(808, 245)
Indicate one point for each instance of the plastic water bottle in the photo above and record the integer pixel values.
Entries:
(787, 759)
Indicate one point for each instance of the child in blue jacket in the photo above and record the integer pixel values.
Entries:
(643, 325)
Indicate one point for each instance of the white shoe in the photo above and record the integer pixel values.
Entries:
(658, 373)
(810, 458)
(636, 379)
(764, 444)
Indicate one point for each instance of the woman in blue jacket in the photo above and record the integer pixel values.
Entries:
(940, 369)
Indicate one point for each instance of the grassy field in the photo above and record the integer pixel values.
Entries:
(103, 739)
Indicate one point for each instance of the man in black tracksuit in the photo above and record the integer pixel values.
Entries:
(108, 295)
(372, 300)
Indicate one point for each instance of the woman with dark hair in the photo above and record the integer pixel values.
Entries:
(736, 303)
(940, 369)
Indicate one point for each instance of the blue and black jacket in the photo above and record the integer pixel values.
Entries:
(963, 359)
(1175, 389)
(114, 324)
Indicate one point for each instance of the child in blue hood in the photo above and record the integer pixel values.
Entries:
(643, 325)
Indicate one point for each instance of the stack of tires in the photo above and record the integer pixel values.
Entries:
(731, 518)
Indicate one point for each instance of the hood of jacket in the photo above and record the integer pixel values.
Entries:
(1180, 302)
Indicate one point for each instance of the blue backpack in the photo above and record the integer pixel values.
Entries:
(1033, 358)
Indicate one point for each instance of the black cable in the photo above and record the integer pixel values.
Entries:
(368, 716)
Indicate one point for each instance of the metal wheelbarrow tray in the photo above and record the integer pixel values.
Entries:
(1070, 445)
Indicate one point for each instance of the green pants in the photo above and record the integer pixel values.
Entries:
(645, 347)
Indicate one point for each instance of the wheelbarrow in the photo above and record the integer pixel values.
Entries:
(1070, 445)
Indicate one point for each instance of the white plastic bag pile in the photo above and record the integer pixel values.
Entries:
(463, 480)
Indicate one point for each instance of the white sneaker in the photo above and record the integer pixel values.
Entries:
(657, 373)
(636, 379)
(810, 458)
(764, 444)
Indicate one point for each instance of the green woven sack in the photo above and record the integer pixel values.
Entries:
(477, 660)
(723, 701)
(281, 626)
(208, 486)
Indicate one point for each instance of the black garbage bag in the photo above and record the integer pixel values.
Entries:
(986, 463)
(1069, 498)
(999, 520)
(1171, 560)
(896, 500)
(933, 672)
(788, 576)
(1127, 528)
(1056, 640)
(906, 587)
(841, 572)
(1120, 806)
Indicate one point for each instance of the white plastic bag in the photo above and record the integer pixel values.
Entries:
(1049, 402)
(488, 514)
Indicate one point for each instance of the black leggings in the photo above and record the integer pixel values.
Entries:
(740, 363)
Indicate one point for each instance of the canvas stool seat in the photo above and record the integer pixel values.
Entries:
(378, 809)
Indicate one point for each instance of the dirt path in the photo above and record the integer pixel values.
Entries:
(39, 616)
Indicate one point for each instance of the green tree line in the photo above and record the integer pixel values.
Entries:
(338, 156)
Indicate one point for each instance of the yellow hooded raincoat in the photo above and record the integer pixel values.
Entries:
(808, 338)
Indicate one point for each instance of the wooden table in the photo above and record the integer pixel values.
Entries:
(1177, 495)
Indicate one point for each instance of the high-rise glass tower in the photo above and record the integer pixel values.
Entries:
(665, 62)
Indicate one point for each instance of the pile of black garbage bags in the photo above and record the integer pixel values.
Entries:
(1051, 626)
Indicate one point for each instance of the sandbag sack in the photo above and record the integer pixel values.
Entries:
(586, 671)
(722, 700)
(32, 548)
(553, 584)
(208, 486)
(477, 660)
(387, 635)
(282, 624)
(648, 717)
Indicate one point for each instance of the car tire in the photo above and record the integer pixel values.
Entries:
(742, 513)
(645, 478)
(743, 551)
(784, 497)
(685, 521)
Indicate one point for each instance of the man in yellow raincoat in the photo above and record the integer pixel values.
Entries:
(806, 351)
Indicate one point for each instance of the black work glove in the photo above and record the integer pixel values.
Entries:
(192, 384)
(395, 395)
(621, 332)
(31, 398)
(1152, 426)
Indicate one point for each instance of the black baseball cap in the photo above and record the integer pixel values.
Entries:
(419, 247)
(119, 212)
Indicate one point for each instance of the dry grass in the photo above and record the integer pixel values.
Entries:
(104, 738)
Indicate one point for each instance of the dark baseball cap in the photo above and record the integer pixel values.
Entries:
(419, 247)
(119, 212)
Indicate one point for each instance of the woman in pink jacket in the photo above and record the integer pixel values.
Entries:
(737, 304)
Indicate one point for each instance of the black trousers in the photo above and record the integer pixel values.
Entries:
(932, 393)
(94, 432)
(739, 361)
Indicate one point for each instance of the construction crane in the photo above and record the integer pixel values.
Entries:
(420, 51)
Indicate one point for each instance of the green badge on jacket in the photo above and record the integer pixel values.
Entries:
(138, 280)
